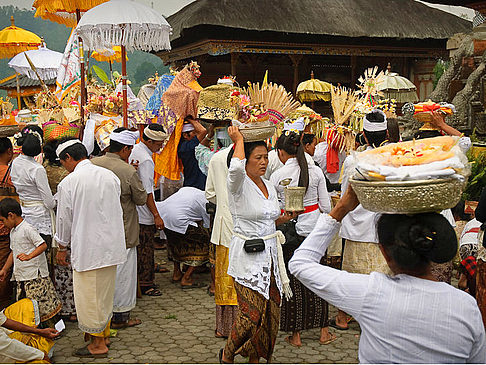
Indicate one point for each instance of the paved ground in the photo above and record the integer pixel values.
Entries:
(178, 327)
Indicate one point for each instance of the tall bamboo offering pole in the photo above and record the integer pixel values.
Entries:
(83, 76)
(124, 86)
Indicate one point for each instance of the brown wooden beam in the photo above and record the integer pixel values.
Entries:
(353, 71)
(245, 47)
(234, 63)
(296, 59)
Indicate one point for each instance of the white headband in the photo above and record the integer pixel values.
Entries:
(188, 127)
(65, 145)
(375, 126)
(155, 135)
(125, 137)
(297, 125)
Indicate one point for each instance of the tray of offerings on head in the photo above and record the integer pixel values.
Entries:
(427, 175)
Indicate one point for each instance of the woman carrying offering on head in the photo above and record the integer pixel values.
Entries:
(253, 253)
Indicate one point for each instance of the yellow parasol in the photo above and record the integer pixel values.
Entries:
(14, 40)
(314, 90)
(108, 55)
(63, 11)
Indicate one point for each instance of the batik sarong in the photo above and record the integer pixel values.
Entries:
(255, 329)
(304, 310)
(43, 292)
(145, 257)
(191, 248)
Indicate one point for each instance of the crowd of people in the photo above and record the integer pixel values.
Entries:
(78, 235)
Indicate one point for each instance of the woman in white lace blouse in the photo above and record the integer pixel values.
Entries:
(408, 317)
(258, 280)
(30, 180)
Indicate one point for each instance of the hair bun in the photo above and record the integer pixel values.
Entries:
(294, 138)
(422, 239)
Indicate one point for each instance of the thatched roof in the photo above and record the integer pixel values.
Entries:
(396, 19)
(454, 2)
(24, 81)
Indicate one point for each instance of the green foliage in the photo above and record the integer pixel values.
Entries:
(477, 180)
(56, 37)
(171, 316)
(101, 74)
(439, 69)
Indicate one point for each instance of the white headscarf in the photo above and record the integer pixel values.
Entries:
(188, 127)
(372, 126)
(125, 137)
(297, 125)
(65, 145)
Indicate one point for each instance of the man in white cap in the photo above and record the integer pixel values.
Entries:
(133, 194)
(152, 140)
(90, 221)
(361, 251)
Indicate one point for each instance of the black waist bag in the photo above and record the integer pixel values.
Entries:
(255, 245)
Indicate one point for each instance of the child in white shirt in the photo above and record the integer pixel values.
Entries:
(29, 261)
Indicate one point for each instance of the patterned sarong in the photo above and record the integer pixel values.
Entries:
(41, 290)
(255, 329)
(191, 248)
(145, 256)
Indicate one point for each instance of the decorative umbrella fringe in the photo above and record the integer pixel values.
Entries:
(44, 74)
(133, 36)
(401, 96)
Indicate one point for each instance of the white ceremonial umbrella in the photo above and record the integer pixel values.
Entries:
(46, 63)
(397, 87)
(125, 23)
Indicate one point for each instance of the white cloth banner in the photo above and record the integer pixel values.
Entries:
(69, 73)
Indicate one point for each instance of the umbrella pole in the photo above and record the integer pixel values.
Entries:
(124, 85)
(44, 86)
(18, 90)
(111, 72)
(83, 77)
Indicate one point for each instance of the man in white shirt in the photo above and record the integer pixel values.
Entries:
(132, 195)
(186, 226)
(152, 140)
(90, 221)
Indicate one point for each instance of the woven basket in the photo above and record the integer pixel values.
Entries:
(55, 130)
(408, 197)
(253, 134)
(9, 130)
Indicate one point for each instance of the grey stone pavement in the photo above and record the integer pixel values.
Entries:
(178, 327)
